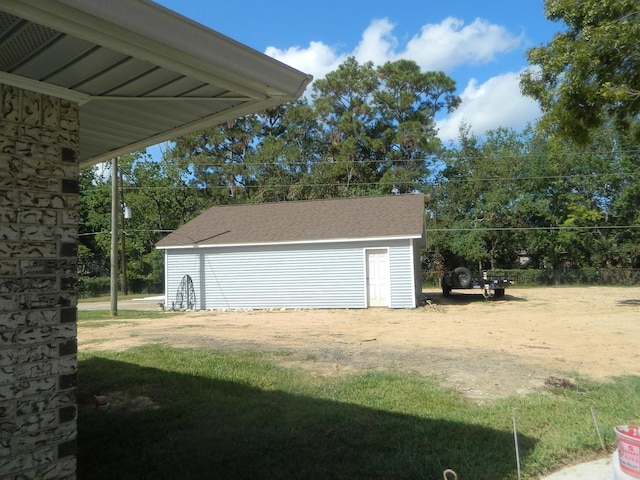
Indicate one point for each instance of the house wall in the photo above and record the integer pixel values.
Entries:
(38, 231)
(417, 246)
(401, 261)
(285, 276)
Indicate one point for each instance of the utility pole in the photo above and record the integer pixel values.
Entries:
(125, 289)
(115, 205)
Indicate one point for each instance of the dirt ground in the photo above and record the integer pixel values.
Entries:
(483, 348)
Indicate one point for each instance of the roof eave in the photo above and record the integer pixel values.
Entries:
(140, 29)
(214, 119)
(298, 242)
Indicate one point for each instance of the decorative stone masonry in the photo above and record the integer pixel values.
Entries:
(38, 294)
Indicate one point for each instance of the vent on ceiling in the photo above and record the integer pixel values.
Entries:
(21, 39)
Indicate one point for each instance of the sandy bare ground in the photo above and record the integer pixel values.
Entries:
(483, 348)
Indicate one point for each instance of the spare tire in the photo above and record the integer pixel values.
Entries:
(462, 276)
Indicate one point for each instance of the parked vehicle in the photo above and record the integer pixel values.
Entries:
(462, 278)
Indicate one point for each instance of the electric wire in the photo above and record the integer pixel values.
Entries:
(442, 229)
(434, 183)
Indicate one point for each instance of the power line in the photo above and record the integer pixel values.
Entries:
(447, 229)
(550, 177)
(427, 159)
(500, 229)
(432, 183)
(272, 186)
(128, 230)
(433, 180)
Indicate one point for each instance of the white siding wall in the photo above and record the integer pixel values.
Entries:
(286, 276)
(179, 263)
(417, 265)
(402, 275)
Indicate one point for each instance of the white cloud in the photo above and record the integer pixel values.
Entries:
(450, 43)
(318, 59)
(492, 104)
(439, 46)
(377, 44)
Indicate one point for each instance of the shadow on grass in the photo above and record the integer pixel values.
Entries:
(167, 425)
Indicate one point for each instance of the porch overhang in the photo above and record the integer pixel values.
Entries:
(140, 73)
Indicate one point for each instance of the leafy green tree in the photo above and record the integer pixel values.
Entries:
(379, 126)
(342, 104)
(622, 194)
(583, 193)
(590, 72)
(285, 152)
(407, 101)
(160, 198)
(475, 206)
(94, 222)
(559, 204)
(366, 131)
(587, 81)
(217, 158)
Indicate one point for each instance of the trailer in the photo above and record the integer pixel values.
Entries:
(462, 278)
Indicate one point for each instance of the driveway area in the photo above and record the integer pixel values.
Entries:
(483, 348)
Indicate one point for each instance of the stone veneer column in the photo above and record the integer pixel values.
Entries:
(38, 293)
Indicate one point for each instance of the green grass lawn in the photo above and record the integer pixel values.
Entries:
(205, 414)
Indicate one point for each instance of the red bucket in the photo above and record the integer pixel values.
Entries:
(629, 449)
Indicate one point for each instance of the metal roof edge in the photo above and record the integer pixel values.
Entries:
(229, 114)
(138, 28)
(42, 87)
(301, 242)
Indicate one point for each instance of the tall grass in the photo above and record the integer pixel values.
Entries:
(202, 414)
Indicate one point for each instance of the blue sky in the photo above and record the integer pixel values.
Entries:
(480, 44)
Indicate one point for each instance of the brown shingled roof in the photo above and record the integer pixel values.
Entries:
(303, 221)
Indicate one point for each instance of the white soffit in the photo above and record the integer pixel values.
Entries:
(141, 73)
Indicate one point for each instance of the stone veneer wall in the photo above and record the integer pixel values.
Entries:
(38, 293)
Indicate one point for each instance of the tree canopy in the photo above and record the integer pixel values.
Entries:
(492, 199)
(513, 195)
(589, 73)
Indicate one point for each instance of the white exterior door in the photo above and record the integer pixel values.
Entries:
(377, 278)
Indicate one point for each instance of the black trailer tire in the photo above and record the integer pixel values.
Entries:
(499, 292)
(463, 276)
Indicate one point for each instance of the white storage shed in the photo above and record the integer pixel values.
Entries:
(338, 253)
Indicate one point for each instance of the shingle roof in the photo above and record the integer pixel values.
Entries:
(398, 216)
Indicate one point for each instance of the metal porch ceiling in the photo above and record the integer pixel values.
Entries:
(141, 73)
